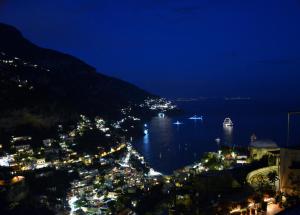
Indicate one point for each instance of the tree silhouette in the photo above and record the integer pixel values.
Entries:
(273, 177)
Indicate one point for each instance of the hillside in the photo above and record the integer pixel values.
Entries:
(40, 88)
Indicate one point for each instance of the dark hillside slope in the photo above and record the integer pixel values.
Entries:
(41, 87)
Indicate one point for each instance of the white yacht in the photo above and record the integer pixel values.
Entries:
(227, 122)
(195, 117)
(177, 123)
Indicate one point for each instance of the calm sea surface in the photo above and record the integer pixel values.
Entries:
(168, 147)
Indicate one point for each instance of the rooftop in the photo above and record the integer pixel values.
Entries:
(264, 144)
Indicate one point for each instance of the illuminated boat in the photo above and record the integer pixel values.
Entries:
(146, 132)
(227, 122)
(218, 140)
(195, 117)
(177, 123)
(161, 115)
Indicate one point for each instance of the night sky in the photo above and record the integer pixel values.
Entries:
(175, 48)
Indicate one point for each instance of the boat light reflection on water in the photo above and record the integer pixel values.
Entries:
(170, 140)
(158, 127)
(168, 146)
(146, 144)
(228, 131)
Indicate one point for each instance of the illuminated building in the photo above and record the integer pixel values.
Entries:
(260, 148)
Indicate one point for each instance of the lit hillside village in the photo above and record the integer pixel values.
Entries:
(115, 178)
(96, 179)
(100, 178)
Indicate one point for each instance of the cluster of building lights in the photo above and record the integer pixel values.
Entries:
(16, 62)
(158, 104)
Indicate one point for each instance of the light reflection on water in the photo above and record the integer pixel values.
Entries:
(168, 147)
(146, 143)
(163, 126)
(228, 137)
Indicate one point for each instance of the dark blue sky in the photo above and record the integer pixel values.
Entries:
(174, 47)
